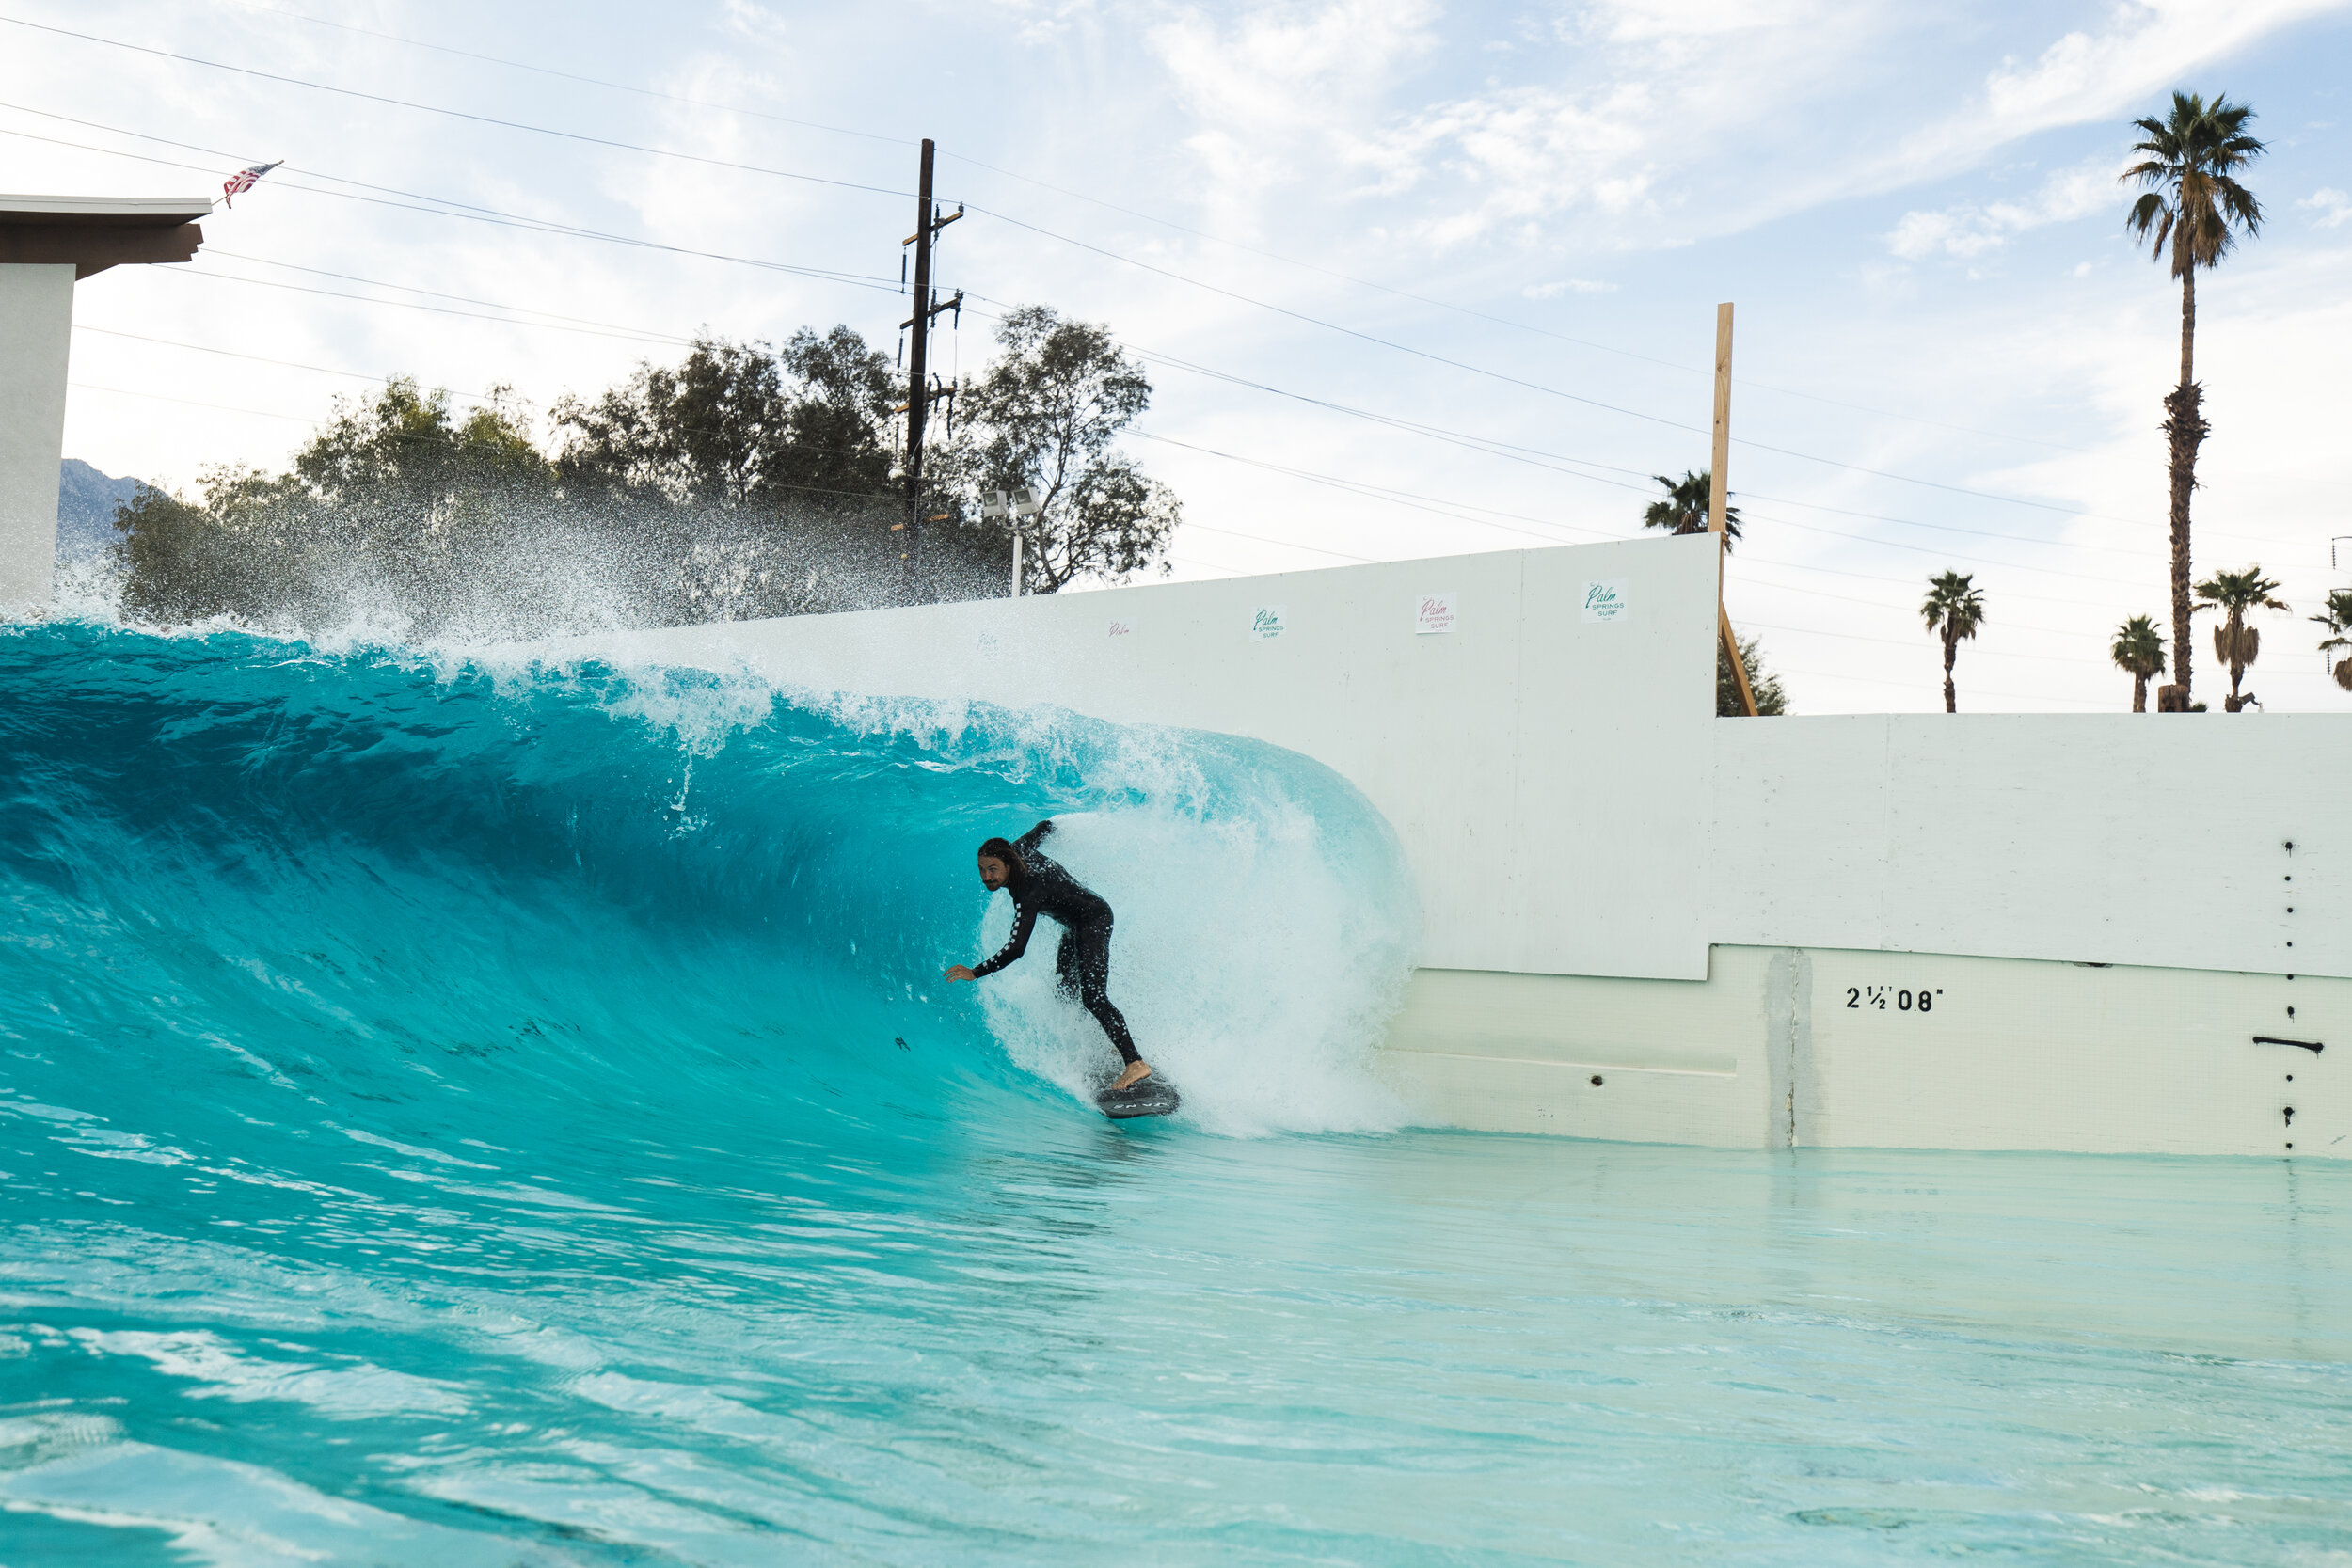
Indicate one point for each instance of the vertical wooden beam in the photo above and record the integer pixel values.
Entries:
(1719, 502)
(1731, 651)
(1719, 476)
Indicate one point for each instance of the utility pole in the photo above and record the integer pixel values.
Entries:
(1719, 504)
(928, 223)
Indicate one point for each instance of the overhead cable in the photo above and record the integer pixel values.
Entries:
(1146, 216)
(461, 114)
(443, 206)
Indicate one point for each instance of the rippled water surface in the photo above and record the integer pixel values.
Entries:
(457, 1115)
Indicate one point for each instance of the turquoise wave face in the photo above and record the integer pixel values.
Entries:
(456, 1112)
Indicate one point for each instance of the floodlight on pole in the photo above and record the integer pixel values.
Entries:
(1012, 506)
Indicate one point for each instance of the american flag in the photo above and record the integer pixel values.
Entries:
(243, 180)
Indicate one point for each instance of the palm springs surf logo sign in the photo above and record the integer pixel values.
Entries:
(1606, 600)
(1265, 622)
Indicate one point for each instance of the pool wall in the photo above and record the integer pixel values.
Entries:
(2111, 913)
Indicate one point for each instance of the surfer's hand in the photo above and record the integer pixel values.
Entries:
(960, 971)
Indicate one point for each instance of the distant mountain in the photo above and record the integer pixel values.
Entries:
(86, 508)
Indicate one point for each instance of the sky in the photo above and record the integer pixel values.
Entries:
(1411, 280)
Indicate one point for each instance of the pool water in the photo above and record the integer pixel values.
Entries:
(457, 1113)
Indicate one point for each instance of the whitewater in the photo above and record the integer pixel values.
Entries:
(468, 1107)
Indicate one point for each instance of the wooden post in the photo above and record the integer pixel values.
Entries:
(1719, 501)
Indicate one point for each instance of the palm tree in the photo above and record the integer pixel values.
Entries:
(1953, 610)
(2339, 622)
(2138, 652)
(2234, 643)
(1684, 510)
(2194, 204)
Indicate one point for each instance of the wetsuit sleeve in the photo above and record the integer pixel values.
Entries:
(1023, 922)
(1035, 837)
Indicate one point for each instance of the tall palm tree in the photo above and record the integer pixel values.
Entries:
(2138, 652)
(2339, 624)
(1954, 610)
(2193, 205)
(1684, 510)
(2234, 643)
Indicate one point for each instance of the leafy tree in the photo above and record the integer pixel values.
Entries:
(2338, 620)
(2190, 213)
(1953, 609)
(186, 560)
(699, 433)
(1771, 699)
(1048, 411)
(738, 425)
(2234, 643)
(397, 487)
(836, 420)
(395, 498)
(1685, 508)
(765, 474)
(2138, 652)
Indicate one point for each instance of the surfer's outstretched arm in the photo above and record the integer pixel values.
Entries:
(1014, 947)
(1023, 922)
(1029, 840)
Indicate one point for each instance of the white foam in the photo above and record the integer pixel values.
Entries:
(1258, 955)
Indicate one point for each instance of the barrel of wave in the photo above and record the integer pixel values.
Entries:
(1264, 935)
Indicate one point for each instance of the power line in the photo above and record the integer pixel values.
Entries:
(625, 335)
(256, 359)
(1750, 582)
(2012, 696)
(458, 114)
(1065, 239)
(1285, 544)
(1538, 457)
(192, 402)
(1521, 381)
(444, 206)
(1146, 216)
(572, 77)
(1092, 248)
(461, 299)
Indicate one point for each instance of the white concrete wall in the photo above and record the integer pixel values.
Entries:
(2105, 838)
(35, 333)
(1832, 1048)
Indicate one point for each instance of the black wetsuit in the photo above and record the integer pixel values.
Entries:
(1083, 967)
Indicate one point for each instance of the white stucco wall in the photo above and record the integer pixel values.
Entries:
(2101, 838)
(36, 331)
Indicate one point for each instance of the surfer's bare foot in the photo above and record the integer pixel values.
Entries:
(1137, 1072)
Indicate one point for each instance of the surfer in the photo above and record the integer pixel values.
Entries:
(1083, 966)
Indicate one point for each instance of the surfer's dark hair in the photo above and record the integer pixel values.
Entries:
(999, 850)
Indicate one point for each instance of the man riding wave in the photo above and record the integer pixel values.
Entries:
(1082, 967)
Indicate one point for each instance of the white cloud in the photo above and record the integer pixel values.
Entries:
(2330, 207)
(1640, 106)
(1969, 230)
(2087, 77)
(1568, 286)
(1283, 95)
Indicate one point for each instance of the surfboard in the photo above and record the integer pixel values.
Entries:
(1155, 1097)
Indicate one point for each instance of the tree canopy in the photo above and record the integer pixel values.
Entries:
(1686, 506)
(1048, 411)
(742, 480)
